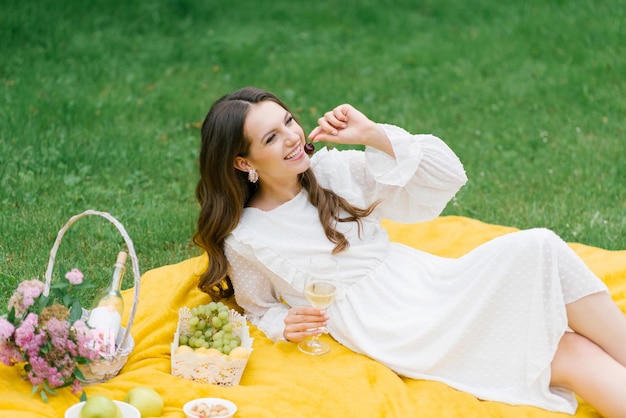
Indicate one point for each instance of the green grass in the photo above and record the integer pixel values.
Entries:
(100, 100)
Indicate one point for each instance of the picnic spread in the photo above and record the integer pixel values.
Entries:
(278, 379)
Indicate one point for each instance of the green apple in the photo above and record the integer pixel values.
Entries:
(100, 407)
(146, 400)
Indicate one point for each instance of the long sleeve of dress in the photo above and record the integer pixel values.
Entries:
(256, 294)
(414, 186)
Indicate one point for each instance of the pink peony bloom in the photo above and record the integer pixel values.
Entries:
(74, 276)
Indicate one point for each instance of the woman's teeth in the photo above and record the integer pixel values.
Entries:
(293, 154)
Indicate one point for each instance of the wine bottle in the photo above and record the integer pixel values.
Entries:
(106, 313)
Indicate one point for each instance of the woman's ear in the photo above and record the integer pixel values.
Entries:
(241, 164)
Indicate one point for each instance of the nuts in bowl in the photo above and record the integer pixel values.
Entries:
(209, 408)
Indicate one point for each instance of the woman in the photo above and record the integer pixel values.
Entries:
(520, 319)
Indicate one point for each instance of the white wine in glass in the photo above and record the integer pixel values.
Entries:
(319, 293)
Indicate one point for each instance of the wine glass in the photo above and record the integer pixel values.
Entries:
(320, 292)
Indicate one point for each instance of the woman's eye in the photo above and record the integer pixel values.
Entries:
(289, 120)
(270, 138)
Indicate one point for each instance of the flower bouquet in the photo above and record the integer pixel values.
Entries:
(46, 333)
(46, 330)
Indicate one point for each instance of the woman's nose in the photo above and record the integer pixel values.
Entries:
(292, 138)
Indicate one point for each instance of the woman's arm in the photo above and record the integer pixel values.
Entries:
(256, 295)
(418, 184)
(413, 186)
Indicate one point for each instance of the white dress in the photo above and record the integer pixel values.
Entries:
(487, 323)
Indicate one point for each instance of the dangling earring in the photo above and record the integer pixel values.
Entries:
(253, 176)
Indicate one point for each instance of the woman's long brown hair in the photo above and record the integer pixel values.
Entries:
(223, 191)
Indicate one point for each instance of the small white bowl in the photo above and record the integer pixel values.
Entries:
(128, 411)
(232, 408)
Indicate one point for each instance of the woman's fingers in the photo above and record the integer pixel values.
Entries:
(341, 113)
(344, 124)
(314, 133)
(329, 125)
(299, 332)
(336, 118)
(306, 314)
(332, 121)
(303, 322)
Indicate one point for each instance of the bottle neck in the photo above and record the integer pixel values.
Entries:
(118, 271)
(118, 275)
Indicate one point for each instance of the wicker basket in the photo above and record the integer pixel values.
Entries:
(109, 366)
(218, 370)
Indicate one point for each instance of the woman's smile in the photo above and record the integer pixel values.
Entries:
(296, 153)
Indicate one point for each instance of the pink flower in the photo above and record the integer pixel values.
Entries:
(77, 387)
(38, 369)
(6, 330)
(74, 276)
(72, 348)
(59, 333)
(10, 355)
(84, 341)
(55, 378)
(25, 333)
(25, 295)
(35, 380)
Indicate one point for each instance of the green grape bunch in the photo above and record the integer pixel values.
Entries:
(210, 327)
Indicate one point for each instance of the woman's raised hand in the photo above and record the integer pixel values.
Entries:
(346, 125)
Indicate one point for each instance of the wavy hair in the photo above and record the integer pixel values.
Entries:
(224, 191)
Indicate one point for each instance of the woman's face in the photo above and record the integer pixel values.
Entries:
(276, 143)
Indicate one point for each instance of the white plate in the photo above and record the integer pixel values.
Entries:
(232, 408)
(128, 411)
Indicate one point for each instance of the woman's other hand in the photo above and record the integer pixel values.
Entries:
(346, 125)
(304, 321)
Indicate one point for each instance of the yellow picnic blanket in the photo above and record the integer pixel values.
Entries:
(279, 381)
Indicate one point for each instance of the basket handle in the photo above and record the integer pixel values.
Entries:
(133, 258)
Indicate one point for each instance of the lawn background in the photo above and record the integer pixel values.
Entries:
(100, 104)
